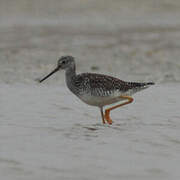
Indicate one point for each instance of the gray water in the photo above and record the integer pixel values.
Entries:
(46, 132)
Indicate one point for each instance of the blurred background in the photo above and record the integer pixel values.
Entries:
(133, 40)
(46, 133)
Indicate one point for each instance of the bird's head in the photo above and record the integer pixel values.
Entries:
(64, 62)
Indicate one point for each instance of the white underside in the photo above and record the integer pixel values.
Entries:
(104, 100)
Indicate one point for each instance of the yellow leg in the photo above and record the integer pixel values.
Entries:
(107, 111)
(107, 116)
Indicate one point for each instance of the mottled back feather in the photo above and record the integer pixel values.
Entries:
(106, 83)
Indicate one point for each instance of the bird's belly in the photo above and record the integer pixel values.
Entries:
(100, 100)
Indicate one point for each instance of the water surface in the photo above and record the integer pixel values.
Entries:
(46, 132)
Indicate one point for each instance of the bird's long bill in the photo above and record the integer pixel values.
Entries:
(55, 70)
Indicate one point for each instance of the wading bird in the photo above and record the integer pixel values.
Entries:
(97, 89)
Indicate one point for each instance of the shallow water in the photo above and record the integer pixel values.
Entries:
(47, 133)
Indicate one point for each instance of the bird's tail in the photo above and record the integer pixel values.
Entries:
(135, 86)
(141, 85)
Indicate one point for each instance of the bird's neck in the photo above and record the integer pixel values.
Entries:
(70, 74)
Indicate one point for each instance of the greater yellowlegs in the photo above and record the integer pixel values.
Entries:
(97, 89)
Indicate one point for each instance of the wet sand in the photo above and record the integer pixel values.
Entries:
(119, 38)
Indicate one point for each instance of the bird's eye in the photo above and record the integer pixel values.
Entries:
(63, 62)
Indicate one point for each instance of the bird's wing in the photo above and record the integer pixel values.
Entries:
(105, 82)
